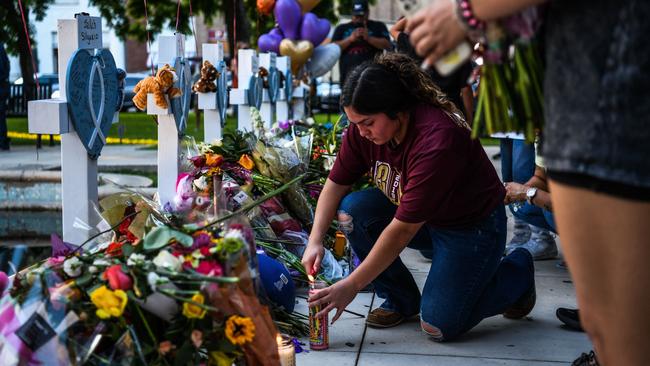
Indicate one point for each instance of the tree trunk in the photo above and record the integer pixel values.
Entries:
(243, 32)
(26, 69)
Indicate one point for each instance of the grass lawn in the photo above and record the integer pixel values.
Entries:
(140, 128)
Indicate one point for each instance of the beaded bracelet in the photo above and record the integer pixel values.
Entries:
(467, 17)
(474, 27)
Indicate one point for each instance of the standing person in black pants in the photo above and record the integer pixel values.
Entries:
(4, 95)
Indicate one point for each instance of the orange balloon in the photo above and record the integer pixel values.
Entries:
(265, 6)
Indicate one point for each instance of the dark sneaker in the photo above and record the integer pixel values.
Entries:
(586, 359)
(570, 317)
(523, 306)
(382, 318)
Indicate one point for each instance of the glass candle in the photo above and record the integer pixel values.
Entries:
(286, 350)
(318, 327)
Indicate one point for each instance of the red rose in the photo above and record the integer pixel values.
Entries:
(117, 279)
(210, 268)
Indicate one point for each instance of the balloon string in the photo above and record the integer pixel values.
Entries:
(196, 41)
(29, 44)
(234, 27)
(146, 28)
(178, 14)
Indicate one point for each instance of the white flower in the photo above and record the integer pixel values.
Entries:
(93, 269)
(101, 262)
(166, 260)
(72, 267)
(201, 183)
(235, 234)
(135, 259)
(154, 280)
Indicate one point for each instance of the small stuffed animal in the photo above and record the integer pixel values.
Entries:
(206, 84)
(263, 74)
(159, 86)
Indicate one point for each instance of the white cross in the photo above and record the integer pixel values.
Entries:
(208, 101)
(170, 47)
(283, 63)
(267, 110)
(247, 66)
(50, 116)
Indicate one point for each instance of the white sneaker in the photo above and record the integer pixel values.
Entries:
(521, 235)
(541, 244)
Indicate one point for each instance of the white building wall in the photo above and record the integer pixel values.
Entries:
(46, 38)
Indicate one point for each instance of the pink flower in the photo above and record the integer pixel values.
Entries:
(55, 261)
(117, 279)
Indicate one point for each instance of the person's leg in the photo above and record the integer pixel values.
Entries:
(468, 281)
(4, 140)
(523, 161)
(362, 217)
(521, 230)
(505, 145)
(606, 246)
(550, 220)
(541, 243)
(531, 214)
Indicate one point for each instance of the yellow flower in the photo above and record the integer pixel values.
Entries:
(109, 303)
(240, 330)
(246, 162)
(194, 311)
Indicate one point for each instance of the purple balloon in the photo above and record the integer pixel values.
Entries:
(314, 29)
(288, 14)
(277, 32)
(269, 43)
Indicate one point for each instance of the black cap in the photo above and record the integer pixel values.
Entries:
(360, 7)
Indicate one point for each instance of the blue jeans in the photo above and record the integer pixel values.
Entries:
(468, 280)
(535, 216)
(517, 160)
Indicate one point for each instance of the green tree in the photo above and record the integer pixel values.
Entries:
(128, 17)
(13, 35)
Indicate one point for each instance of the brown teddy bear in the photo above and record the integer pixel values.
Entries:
(263, 73)
(159, 85)
(206, 84)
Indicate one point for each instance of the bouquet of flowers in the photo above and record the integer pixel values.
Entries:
(155, 294)
(510, 96)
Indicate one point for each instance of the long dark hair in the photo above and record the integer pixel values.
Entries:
(393, 83)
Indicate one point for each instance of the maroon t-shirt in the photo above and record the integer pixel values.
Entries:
(438, 174)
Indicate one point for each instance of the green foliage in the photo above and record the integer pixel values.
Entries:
(11, 28)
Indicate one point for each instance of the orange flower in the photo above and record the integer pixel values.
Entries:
(213, 160)
(246, 162)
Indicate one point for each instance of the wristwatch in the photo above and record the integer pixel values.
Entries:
(530, 194)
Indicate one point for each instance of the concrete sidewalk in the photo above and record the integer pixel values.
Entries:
(24, 157)
(539, 339)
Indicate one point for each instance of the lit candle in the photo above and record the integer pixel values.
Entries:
(286, 350)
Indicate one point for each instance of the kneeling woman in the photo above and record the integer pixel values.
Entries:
(436, 191)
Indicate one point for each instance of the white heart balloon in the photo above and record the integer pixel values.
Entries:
(323, 59)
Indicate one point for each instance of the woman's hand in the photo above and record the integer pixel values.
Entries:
(515, 192)
(435, 30)
(312, 257)
(338, 296)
